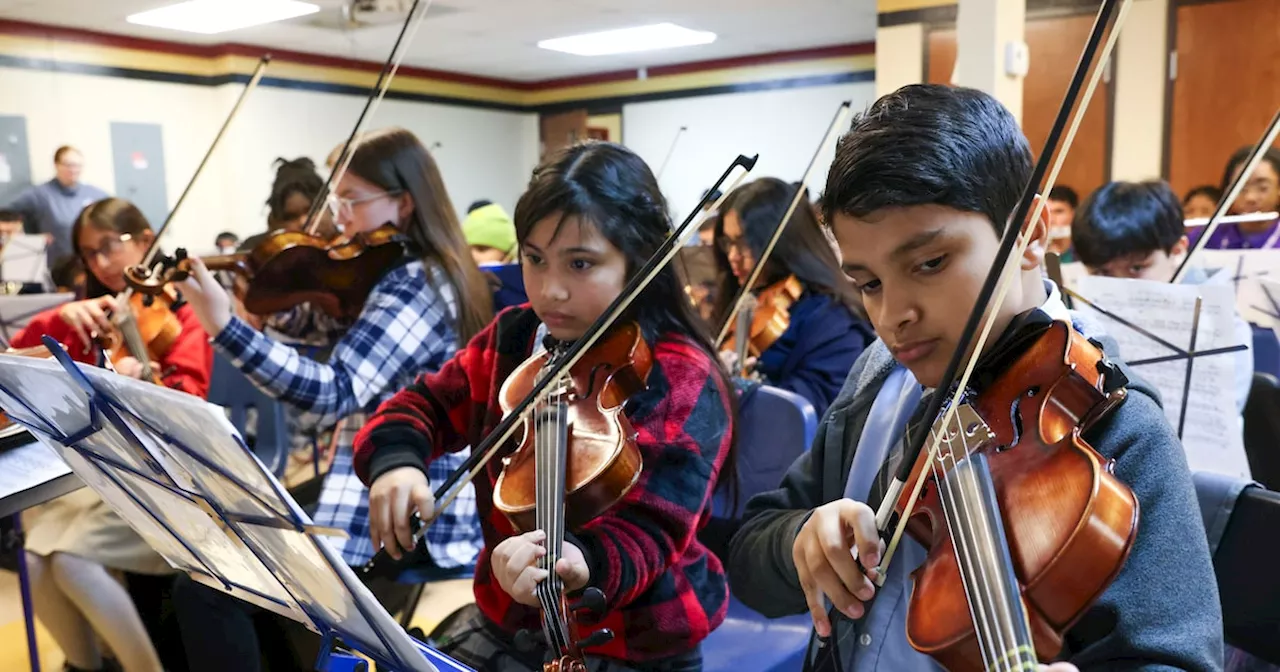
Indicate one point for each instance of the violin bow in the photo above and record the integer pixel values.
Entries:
(670, 151)
(487, 448)
(258, 72)
(409, 29)
(840, 120)
(1237, 185)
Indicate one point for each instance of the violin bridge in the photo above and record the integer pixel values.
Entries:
(967, 433)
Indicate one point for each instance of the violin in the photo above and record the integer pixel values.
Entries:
(762, 320)
(146, 331)
(292, 267)
(981, 512)
(576, 459)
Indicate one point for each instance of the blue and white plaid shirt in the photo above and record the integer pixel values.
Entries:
(405, 329)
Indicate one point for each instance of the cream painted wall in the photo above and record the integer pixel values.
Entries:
(483, 153)
(784, 127)
(1141, 81)
(899, 57)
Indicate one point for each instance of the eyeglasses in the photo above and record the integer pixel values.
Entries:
(108, 249)
(340, 205)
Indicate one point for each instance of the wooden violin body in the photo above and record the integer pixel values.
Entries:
(157, 329)
(771, 316)
(289, 268)
(1068, 521)
(603, 461)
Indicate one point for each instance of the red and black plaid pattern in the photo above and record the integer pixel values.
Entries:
(664, 590)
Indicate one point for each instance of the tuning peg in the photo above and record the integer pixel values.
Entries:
(528, 641)
(597, 638)
(591, 601)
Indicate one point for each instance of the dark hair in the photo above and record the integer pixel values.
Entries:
(803, 250)
(65, 270)
(929, 144)
(477, 205)
(711, 196)
(612, 189)
(10, 216)
(1207, 190)
(225, 235)
(1065, 194)
(109, 214)
(58, 153)
(394, 160)
(298, 176)
(1126, 218)
(1271, 156)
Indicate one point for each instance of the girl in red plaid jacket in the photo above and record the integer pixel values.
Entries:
(592, 216)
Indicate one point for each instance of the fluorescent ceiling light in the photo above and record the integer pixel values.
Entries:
(627, 40)
(219, 16)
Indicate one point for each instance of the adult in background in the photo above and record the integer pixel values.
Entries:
(52, 208)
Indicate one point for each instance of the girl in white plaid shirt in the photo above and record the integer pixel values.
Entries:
(417, 315)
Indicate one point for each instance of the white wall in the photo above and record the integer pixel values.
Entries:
(1138, 136)
(483, 153)
(784, 127)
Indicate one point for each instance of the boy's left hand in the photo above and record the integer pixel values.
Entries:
(515, 566)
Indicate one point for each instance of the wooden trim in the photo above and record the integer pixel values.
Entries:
(1170, 47)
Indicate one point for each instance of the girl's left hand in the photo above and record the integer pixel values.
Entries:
(208, 299)
(515, 566)
(132, 368)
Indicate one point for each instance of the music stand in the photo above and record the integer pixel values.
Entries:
(24, 258)
(173, 467)
(18, 309)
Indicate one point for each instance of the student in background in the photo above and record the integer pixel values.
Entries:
(1200, 202)
(1261, 193)
(1063, 201)
(52, 208)
(10, 224)
(424, 307)
(226, 242)
(828, 328)
(68, 275)
(490, 233)
(1135, 230)
(295, 187)
(75, 541)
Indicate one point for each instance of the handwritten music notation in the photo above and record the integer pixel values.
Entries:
(1212, 426)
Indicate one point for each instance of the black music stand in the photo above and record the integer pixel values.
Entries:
(173, 467)
(18, 309)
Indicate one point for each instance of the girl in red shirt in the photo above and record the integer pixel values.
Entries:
(591, 217)
(74, 541)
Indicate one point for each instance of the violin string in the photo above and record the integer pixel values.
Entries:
(671, 247)
(962, 542)
(832, 132)
(1007, 276)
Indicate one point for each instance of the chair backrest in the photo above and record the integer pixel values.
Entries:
(1248, 584)
(775, 428)
(1262, 430)
(1266, 350)
(231, 389)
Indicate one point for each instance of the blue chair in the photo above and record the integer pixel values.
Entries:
(1266, 351)
(776, 427)
(231, 389)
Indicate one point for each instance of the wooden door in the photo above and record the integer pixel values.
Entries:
(563, 129)
(1055, 45)
(1227, 85)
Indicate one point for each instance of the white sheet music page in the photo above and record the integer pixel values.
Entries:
(25, 467)
(1212, 431)
(1246, 270)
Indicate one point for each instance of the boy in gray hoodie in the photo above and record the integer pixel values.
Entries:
(919, 192)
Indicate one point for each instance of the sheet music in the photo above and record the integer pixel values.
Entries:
(25, 467)
(1246, 269)
(24, 259)
(1212, 432)
(1071, 274)
(171, 437)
